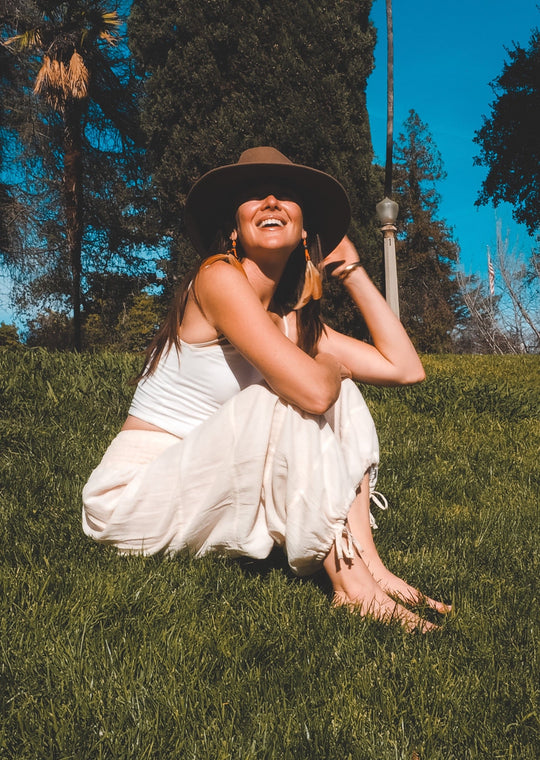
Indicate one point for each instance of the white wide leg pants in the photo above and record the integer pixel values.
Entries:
(259, 472)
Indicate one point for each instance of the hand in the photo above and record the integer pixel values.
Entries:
(344, 254)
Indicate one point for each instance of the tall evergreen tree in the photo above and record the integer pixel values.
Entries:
(429, 302)
(509, 138)
(77, 146)
(227, 75)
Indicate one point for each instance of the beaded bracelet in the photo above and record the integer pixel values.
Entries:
(342, 276)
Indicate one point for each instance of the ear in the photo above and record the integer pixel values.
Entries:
(234, 235)
(304, 234)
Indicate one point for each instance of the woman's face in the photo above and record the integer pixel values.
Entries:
(270, 219)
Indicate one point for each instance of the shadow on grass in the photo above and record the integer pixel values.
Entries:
(277, 560)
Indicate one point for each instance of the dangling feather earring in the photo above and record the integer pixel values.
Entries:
(232, 249)
(231, 257)
(312, 281)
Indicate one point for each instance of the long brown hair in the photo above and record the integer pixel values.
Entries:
(308, 318)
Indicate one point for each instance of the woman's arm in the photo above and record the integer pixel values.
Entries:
(232, 307)
(392, 360)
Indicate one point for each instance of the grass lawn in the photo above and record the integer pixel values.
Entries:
(111, 657)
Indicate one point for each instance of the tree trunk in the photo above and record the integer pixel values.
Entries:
(73, 200)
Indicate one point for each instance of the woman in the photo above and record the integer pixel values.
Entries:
(246, 430)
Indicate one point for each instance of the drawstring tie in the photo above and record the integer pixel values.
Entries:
(380, 501)
(344, 540)
(346, 543)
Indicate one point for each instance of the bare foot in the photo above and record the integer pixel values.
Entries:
(397, 587)
(358, 522)
(356, 588)
(386, 610)
(400, 589)
(390, 583)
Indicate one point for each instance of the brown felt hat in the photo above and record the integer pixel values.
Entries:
(214, 198)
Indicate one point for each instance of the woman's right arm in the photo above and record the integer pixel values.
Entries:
(232, 307)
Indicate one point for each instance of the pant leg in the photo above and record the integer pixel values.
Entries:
(259, 472)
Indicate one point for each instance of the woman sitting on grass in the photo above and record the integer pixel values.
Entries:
(246, 429)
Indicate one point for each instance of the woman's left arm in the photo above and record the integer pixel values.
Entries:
(392, 359)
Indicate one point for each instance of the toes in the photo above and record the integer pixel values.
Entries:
(440, 607)
(412, 596)
(386, 612)
(427, 627)
(413, 623)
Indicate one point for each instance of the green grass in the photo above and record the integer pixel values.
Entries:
(111, 657)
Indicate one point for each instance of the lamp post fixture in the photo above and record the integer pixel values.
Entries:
(387, 212)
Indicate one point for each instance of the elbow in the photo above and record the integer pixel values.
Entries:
(407, 373)
(413, 375)
(419, 377)
(318, 409)
(320, 402)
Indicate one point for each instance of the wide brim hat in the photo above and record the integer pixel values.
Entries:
(213, 199)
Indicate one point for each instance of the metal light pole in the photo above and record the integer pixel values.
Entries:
(387, 209)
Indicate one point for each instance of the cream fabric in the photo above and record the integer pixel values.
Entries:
(258, 472)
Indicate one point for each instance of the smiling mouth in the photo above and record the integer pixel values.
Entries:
(271, 222)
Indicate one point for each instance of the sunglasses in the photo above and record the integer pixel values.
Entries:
(261, 190)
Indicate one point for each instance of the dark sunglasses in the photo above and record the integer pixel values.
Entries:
(261, 190)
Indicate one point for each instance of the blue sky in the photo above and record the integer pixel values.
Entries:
(445, 56)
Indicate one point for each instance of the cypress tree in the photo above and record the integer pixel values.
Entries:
(224, 75)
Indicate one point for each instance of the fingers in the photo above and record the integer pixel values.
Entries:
(344, 253)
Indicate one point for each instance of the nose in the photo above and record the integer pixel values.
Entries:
(270, 201)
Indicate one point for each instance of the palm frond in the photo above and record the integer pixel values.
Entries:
(77, 77)
(29, 39)
(110, 38)
(44, 76)
(52, 81)
(111, 18)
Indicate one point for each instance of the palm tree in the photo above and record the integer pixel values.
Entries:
(67, 40)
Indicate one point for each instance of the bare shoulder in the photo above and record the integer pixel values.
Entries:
(217, 272)
(213, 289)
(222, 283)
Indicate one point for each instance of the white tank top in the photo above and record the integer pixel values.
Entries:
(189, 386)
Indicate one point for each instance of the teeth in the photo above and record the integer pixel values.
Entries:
(272, 223)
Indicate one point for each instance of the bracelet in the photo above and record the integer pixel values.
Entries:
(342, 276)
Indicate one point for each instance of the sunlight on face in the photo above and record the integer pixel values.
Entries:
(269, 218)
